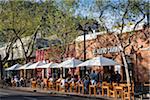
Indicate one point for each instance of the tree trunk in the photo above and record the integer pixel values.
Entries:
(126, 67)
(124, 58)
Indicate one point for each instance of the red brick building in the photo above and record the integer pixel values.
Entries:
(137, 52)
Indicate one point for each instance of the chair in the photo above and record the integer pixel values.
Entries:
(105, 86)
(57, 86)
(73, 87)
(50, 85)
(119, 89)
(92, 87)
(33, 83)
(13, 84)
(45, 81)
(81, 85)
(99, 87)
(129, 91)
(112, 90)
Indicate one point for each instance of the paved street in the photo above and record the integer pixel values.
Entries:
(19, 95)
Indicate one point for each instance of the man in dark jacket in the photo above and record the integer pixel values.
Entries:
(118, 77)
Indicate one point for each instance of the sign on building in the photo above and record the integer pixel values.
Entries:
(114, 49)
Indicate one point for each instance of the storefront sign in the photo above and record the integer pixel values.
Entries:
(107, 50)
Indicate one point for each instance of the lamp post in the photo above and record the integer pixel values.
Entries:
(86, 28)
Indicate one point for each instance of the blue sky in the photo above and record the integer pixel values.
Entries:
(87, 8)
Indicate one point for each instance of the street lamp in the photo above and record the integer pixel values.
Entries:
(86, 28)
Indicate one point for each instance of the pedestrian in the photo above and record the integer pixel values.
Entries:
(86, 84)
(112, 77)
(118, 77)
(100, 77)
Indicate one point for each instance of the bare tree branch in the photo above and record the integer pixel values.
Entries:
(31, 44)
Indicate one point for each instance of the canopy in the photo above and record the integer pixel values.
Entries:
(24, 66)
(99, 61)
(70, 63)
(35, 65)
(49, 65)
(14, 67)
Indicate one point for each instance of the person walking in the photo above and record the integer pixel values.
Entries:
(118, 77)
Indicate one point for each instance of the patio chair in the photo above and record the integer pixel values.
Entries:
(81, 88)
(105, 86)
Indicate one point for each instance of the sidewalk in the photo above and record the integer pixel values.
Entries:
(28, 89)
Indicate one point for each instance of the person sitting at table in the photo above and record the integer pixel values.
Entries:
(100, 77)
(107, 77)
(21, 81)
(71, 80)
(39, 82)
(68, 78)
(45, 82)
(93, 76)
(75, 78)
(79, 79)
(12, 81)
(51, 79)
(93, 82)
(62, 83)
(16, 81)
(42, 84)
(59, 79)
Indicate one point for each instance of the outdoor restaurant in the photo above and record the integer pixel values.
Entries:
(101, 74)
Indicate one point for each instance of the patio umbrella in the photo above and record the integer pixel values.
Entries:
(49, 65)
(14, 67)
(35, 65)
(70, 63)
(54, 65)
(98, 61)
(24, 66)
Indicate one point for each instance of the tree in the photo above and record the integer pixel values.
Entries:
(127, 12)
(122, 13)
(63, 25)
(21, 19)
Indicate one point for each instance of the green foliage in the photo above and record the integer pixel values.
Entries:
(19, 16)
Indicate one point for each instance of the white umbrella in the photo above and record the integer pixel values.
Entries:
(98, 61)
(70, 63)
(24, 66)
(49, 65)
(35, 65)
(55, 65)
(14, 67)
